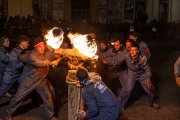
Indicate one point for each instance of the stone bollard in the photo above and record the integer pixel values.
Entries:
(74, 95)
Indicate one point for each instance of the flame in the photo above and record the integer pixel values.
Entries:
(83, 45)
(52, 40)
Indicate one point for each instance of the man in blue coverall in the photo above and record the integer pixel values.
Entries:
(34, 77)
(4, 55)
(14, 67)
(100, 101)
(138, 70)
(115, 72)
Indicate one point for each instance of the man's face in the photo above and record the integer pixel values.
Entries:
(134, 38)
(102, 46)
(40, 49)
(25, 44)
(134, 51)
(128, 45)
(117, 45)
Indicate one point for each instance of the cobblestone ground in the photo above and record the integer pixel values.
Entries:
(163, 59)
(28, 112)
(170, 106)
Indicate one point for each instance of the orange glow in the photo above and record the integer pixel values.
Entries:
(83, 45)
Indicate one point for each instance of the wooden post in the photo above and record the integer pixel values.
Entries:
(74, 95)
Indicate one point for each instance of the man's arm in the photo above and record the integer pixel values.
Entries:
(14, 60)
(146, 67)
(90, 101)
(148, 74)
(4, 57)
(115, 60)
(37, 62)
(177, 71)
(145, 50)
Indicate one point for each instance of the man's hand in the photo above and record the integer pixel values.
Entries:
(58, 55)
(104, 61)
(149, 84)
(55, 62)
(80, 114)
(178, 81)
(144, 58)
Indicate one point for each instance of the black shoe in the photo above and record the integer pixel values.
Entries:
(155, 105)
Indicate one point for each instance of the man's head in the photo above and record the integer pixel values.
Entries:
(81, 73)
(134, 51)
(133, 36)
(5, 41)
(103, 45)
(39, 45)
(117, 45)
(23, 42)
(128, 44)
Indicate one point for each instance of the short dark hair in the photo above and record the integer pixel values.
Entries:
(23, 38)
(116, 40)
(2, 39)
(104, 42)
(135, 45)
(81, 73)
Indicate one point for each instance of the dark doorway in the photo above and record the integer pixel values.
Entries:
(80, 10)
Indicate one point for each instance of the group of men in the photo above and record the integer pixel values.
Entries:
(30, 70)
(128, 64)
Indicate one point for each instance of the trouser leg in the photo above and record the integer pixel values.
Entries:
(150, 93)
(154, 81)
(1, 76)
(18, 98)
(122, 80)
(46, 94)
(125, 92)
(7, 82)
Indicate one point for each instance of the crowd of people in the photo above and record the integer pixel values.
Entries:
(124, 63)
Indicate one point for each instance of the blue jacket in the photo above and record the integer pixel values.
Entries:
(100, 101)
(37, 68)
(137, 67)
(4, 58)
(110, 55)
(15, 66)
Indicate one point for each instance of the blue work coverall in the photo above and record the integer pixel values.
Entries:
(100, 101)
(4, 59)
(12, 71)
(115, 71)
(34, 77)
(138, 70)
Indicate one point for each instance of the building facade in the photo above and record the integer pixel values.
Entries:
(95, 11)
